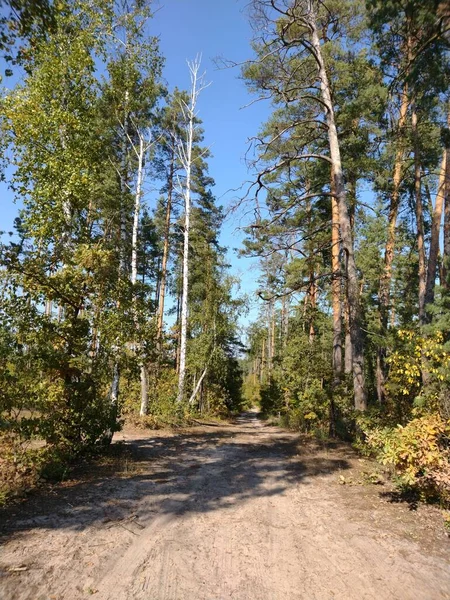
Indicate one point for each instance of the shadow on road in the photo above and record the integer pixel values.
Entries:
(195, 471)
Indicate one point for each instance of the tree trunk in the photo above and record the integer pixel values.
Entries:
(435, 233)
(263, 360)
(134, 267)
(272, 350)
(446, 251)
(115, 385)
(419, 218)
(162, 285)
(184, 296)
(348, 361)
(312, 307)
(185, 156)
(336, 287)
(384, 293)
(178, 327)
(197, 387)
(137, 211)
(144, 391)
(359, 386)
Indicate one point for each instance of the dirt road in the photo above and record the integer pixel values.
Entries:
(242, 512)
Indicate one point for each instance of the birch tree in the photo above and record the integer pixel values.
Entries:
(130, 94)
(185, 154)
(145, 144)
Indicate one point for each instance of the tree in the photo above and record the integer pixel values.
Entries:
(291, 41)
(51, 121)
(185, 155)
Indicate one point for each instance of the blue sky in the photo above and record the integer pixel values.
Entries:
(212, 28)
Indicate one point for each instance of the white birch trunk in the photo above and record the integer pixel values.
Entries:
(137, 210)
(185, 156)
(134, 249)
(184, 296)
(197, 387)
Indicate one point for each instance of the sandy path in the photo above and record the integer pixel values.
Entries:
(217, 513)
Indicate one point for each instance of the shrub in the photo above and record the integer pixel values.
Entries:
(419, 376)
(419, 453)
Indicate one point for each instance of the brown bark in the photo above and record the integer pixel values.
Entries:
(384, 294)
(336, 287)
(269, 338)
(359, 386)
(446, 253)
(435, 232)
(348, 340)
(312, 307)
(263, 360)
(419, 218)
(272, 350)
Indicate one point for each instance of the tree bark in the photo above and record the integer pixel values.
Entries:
(144, 391)
(185, 155)
(312, 293)
(359, 386)
(336, 287)
(263, 360)
(134, 268)
(137, 211)
(435, 233)
(384, 293)
(197, 387)
(162, 288)
(419, 218)
(446, 251)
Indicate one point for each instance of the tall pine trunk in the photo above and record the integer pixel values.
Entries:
(384, 293)
(419, 218)
(446, 252)
(336, 287)
(435, 233)
(359, 386)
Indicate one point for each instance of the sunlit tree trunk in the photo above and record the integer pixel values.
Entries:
(419, 218)
(336, 287)
(140, 152)
(185, 156)
(446, 250)
(384, 293)
(435, 233)
(359, 386)
(263, 360)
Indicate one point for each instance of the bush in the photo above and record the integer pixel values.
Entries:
(419, 376)
(271, 398)
(312, 410)
(419, 453)
(22, 466)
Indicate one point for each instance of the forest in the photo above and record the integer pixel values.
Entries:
(115, 308)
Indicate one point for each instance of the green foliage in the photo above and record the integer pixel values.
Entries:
(419, 453)
(418, 375)
(271, 398)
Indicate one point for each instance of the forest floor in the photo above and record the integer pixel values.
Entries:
(244, 511)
